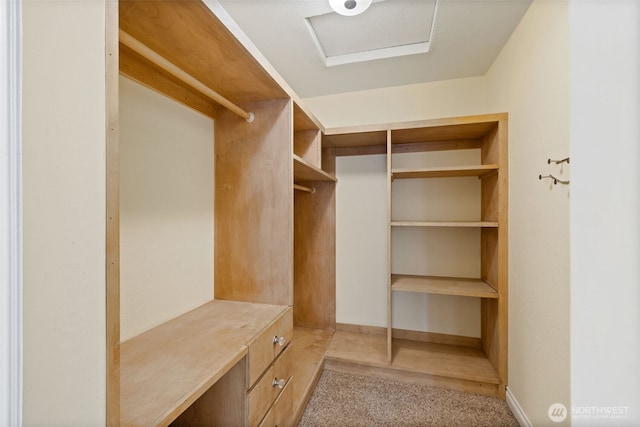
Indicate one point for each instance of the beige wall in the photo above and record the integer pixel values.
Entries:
(412, 102)
(530, 80)
(166, 211)
(64, 204)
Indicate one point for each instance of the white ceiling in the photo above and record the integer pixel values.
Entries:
(467, 36)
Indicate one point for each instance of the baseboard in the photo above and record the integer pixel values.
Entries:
(517, 410)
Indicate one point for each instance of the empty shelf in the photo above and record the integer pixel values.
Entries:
(412, 358)
(488, 224)
(306, 172)
(442, 286)
(458, 171)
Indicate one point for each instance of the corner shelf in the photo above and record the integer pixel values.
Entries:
(467, 224)
(442, 285)
(303, 171)
(445, 172)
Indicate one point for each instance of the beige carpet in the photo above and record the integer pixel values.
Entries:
(353, 400)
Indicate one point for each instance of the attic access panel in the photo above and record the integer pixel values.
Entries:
(387, 29)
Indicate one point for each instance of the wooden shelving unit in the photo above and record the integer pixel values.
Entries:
(273, 245)
(314, 243)
(487, 134)
(436, 358)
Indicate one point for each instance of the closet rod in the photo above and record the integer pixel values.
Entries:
(138, 47)
(303, 188)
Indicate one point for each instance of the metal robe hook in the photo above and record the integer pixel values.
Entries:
(557, 162)
(555, 180)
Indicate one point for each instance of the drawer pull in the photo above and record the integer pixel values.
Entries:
(278, 382)
(279, 340)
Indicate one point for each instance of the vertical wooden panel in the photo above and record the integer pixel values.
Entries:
(314, 260)
(503, 254)
(389, 260)
(491, 337)
(490, 257)
(329, 161)
(494, 253)
(490, 197)
(253, 204)
(112, 218)
(224, 404)
(490, 153)
(306, 144)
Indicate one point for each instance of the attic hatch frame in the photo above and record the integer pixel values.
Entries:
(372, 54)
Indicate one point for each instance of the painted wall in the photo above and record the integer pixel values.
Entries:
(530, 80)
(412, 102)
(63, 217)
(361, 240)
(361, 211)
(605, 212)
(166, 211)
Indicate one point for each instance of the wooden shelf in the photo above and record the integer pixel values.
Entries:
(308, 348)
(470, 224)
(205, 44)
(303, 119)
(164, 370)
(442, 286)
(355, 137)
(452, 129)
(458, 367)
(303, 171)
(433, 134)
(459, 171)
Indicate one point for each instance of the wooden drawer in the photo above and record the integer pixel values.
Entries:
(263, 350)
(264, 393)
(281, 412)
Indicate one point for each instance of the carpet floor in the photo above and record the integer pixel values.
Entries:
(348, 400)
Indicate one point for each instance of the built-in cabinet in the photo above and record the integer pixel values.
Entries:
(253, 355)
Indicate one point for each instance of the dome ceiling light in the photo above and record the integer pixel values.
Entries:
(349, 7)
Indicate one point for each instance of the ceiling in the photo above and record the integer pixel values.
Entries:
(393, 43)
